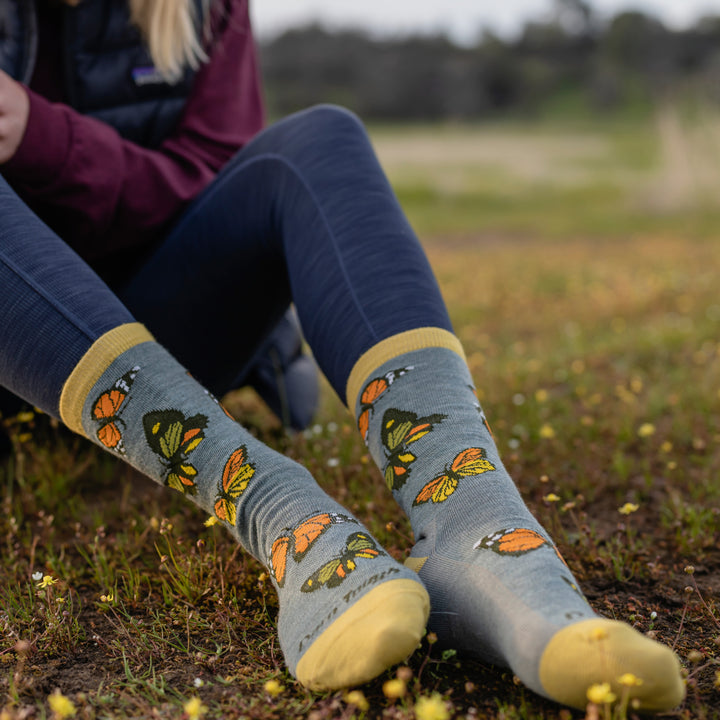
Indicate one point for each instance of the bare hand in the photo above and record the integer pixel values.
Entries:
(14, 110)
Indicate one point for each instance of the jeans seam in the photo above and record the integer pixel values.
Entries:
(71, 318)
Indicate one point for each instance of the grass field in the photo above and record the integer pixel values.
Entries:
(580, 266)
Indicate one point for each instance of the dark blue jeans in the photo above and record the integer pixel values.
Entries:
(303, 213)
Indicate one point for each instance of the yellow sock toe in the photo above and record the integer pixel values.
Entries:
(601, 651)
(378, 631)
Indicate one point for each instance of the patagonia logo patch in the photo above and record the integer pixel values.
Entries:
(147, 75)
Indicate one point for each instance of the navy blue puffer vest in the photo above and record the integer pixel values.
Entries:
(108, 71)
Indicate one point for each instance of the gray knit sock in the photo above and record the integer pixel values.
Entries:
(498, 585)
(347, 609)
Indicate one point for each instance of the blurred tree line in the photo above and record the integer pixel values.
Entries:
(570, 63)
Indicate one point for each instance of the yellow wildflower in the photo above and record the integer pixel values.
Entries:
(194, 708)
(646, 430)
(547, 432)
(107, 598)
(551, 498)
(600, 693)
(431, 708)
(356, 698)
(62, 707)
(666, 447)
(628, 508)
(273, 687)
(212, 520)
(394, 688)
(47, 581)
(630, 680)
(541, 395)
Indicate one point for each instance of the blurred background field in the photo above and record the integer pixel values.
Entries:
(560, 179)
(579, 124)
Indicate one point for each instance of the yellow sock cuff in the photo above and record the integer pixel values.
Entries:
(91, 367)
(599, 651)
(378, 631)
(390, 348)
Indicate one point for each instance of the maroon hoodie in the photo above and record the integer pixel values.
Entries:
(104, 195)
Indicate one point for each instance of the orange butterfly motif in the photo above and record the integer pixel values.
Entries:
(515, 541)
(237, 473)
(472, 461)
(483, 419)
(106, 411)
(373, 390)
(334, 572)
(298, 541)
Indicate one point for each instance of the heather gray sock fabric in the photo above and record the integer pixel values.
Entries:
(498, 586)
(347, 609)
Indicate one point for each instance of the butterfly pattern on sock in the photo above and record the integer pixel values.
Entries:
(296, 541)
(483, 418)
(172, 437)
(468, 462)
(217, 402)
(370, 394)
(515, 541)
(359, 545)
(236, 476)
(399, 429)
(107, 408)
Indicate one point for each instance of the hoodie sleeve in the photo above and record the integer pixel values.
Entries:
(101, 192)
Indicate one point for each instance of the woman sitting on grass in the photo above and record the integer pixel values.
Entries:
(140, 201)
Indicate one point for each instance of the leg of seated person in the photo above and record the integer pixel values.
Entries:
(70, 347)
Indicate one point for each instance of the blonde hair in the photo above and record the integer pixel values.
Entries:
(173, 32)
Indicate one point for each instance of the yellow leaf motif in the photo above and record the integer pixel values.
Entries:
(170, 442)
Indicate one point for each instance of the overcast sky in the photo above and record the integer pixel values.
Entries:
(462, 19)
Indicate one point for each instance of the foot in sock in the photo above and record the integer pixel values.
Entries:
(499, 588)
(348, 611)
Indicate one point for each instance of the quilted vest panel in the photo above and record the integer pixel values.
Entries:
(107, 70)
